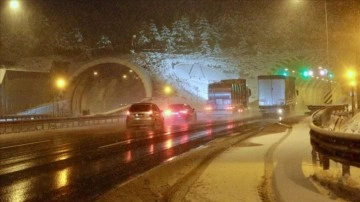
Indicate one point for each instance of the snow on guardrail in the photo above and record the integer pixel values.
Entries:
(343, 147)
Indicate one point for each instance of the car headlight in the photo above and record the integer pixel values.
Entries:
(280, 111)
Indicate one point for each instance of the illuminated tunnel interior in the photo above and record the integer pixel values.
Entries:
(105, 87)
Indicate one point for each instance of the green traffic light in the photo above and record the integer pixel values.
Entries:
(282, 71)
(304, 73)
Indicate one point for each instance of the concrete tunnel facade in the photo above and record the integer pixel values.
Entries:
(78, 84)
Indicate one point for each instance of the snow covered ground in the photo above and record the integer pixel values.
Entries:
(275, 165)
(352, 125)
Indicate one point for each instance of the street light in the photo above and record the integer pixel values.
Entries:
(351, 75)
(167, 91)
(14, 4)
(60, 84)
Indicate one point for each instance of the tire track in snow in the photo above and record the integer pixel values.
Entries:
(265, 188)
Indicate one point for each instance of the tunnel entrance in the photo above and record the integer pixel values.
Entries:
(105, 87)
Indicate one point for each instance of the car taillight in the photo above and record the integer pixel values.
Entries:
(229, 107)
(208, 108)
(184, 111)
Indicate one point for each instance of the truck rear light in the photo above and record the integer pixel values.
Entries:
(229, 108)
(208, 108)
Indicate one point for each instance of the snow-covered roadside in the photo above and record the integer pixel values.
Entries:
(241, 173)
(331, 182)
(275, 165)
(291, 157)
(159, 183)
(352, 125)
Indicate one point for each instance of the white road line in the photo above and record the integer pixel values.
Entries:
(26, 144)
(113, 144)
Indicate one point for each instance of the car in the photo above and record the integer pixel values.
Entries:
(180, 112)
(145, 115)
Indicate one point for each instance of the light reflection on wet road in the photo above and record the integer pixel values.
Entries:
(80, 166)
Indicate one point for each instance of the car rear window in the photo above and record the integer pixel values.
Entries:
(177, 107)
(140, 108)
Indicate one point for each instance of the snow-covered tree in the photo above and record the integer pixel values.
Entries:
(167, 40)
(183, 35)
(104, 43)
(70, 42)
(217, 49)
(154, 35)
(143, 40)
(78, 36)
(206, 35)
(204, 46)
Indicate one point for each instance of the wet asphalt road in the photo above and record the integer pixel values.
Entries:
(81, 165)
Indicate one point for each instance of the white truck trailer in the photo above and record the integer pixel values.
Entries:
(277, 94)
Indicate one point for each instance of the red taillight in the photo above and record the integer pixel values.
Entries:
(208, 108)
(229, 108)
(184, 111)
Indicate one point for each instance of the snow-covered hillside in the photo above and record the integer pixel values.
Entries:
(189, 75)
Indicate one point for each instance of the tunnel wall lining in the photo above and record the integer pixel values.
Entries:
(144, 76)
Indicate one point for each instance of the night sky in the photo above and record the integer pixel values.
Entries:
(123, 16)
(120, 19)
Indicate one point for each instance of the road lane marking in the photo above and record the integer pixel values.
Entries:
(114, 144)
(26, 144)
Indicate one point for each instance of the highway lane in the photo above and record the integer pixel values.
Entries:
(80, 164)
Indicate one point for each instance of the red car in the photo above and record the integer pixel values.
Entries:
(180, 112)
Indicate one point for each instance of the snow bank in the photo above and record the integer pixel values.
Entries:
(158, 183)
(352, 125)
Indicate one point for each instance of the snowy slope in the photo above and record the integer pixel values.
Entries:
(190, 74)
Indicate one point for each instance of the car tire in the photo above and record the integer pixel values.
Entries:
(162, 127)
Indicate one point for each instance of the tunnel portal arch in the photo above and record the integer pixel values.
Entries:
(75, 79)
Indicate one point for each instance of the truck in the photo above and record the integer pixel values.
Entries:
(277, 94)
(230, 95)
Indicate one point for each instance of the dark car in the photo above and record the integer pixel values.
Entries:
(145, 115)
(180, 112)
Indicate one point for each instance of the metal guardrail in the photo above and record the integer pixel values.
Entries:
(29, 125)
(337, 146)
(340, 107)
(23, 117)
(38, 122)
